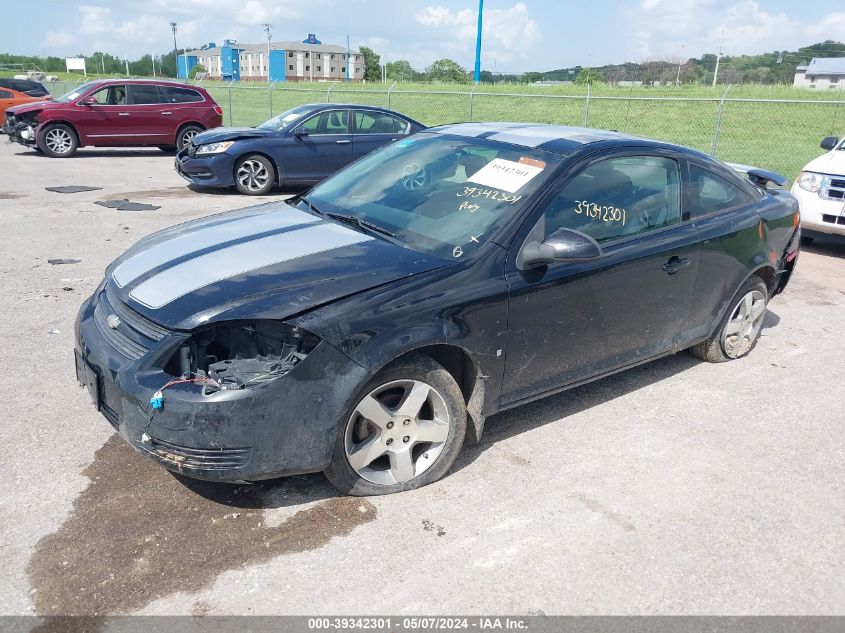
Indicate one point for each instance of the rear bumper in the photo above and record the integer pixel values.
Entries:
(283, 427)
(208, 171)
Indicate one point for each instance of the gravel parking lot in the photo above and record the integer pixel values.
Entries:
(679, 487)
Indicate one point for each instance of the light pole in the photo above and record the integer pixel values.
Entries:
(718, 57)
(477, 76)
(680, 61)
(175, 54)
(267, 30)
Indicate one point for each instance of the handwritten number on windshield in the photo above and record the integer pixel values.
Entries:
(490, 194)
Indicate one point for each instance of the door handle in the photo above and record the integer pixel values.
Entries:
(343, 141)
(166, 113)
(675, 264)
(122, 114)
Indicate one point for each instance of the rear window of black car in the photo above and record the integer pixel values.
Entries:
(172, 94)
(32, 88)
(710, 193)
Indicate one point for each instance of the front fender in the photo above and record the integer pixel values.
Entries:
(464, 307)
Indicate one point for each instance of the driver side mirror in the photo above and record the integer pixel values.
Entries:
(564, 245)
(88, 101)
(828, 142)
(299, 131)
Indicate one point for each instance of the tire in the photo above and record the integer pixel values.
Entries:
(739, 329)
(806, 239)
(254, 175)
(394, 463)
(57, 140)
(185, 134)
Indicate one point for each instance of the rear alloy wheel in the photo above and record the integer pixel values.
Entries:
(740, 329)
(254, 175)
(58, 140)
(186, 134)
(403, 433)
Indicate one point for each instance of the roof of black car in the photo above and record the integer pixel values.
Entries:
(561, 139)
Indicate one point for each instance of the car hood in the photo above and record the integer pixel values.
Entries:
(272, 261)
(219, 134)
(35, 106)
(832, 163)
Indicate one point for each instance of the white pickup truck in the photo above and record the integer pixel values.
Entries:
(820, 189)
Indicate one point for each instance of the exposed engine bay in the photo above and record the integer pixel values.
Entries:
(241, 354)
(21, 129)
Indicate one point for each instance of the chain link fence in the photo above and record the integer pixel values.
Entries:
(777, 134)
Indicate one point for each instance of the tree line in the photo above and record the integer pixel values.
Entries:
(776, 67)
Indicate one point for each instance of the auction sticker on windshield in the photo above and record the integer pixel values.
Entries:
(505, 174)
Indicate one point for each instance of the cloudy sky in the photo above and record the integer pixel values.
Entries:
(519, 35)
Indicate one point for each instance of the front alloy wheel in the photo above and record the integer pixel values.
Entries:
(254, 175)
(403, 432)
(397, 432)
(58, 141)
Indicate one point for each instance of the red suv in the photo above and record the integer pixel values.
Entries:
(115, 113)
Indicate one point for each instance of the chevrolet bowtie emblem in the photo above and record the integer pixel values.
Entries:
(113, 320)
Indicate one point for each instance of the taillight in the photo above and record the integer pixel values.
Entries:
(218, 110)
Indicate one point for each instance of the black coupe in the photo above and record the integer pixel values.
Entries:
(365, 327)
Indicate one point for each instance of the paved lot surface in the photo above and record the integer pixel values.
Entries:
(679, 487)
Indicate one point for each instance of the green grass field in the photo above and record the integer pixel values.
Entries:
(776, 127)
(778, 135)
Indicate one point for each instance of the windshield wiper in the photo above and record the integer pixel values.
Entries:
(311, 205)
(364, 224)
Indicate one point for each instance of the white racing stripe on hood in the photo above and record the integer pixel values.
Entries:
(191, 241)
(193, 274)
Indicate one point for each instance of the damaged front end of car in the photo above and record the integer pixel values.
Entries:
(235, 400)
(237, 355)
(21, 128)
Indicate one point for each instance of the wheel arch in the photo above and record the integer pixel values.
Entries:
(767, 273)
(45, 124)
(466, 372)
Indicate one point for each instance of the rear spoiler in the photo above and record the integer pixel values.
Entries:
(760, 177)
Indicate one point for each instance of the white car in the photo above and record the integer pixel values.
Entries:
(820, 189)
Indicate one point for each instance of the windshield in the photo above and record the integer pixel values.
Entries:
(438, 194)
(74, 94)
(284, 119)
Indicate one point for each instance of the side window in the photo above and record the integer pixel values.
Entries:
(369, 122)
(618, 197)
(141, 94)
(5, 94)
(710, 193)
(111, 95)
(180, 95)
(329, 122)
(400, 126)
